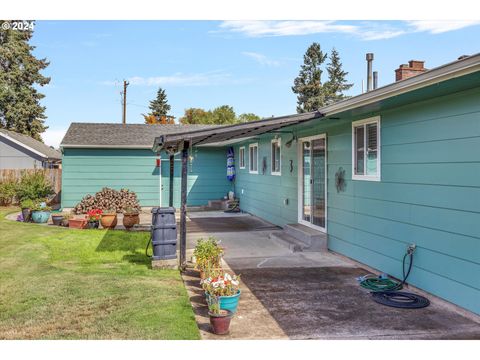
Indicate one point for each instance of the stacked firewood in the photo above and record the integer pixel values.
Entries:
(108, 199)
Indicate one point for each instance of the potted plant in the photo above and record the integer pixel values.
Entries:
(225, 287)
(219, 318)
(27, 205)
(94, 217)
(77, 223)
(66, 219)
(40, 212)
(109, 219)
(57, 218)
(208, 256)
(130, 217)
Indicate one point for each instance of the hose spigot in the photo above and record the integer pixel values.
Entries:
(411, 249)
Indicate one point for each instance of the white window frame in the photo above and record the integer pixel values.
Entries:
(365, 122)
(250, 160)
(279, 142)
(241, 157)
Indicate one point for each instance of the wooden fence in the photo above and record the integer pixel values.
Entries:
(55, 176)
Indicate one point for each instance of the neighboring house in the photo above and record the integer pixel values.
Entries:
(409, 157)
(18, 151)
(97, 155)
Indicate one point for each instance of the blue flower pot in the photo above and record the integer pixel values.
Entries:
(40, 217)
(228, 302)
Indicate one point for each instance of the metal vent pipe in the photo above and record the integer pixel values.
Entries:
(369, 58)
(375, 80)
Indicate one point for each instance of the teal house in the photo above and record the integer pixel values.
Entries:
(394, 166)
(120, 156)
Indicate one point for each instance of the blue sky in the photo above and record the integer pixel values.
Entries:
(249, 65)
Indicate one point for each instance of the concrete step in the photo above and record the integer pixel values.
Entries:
(315, 240)
(288, 241)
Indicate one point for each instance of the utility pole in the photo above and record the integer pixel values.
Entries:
(124, 117)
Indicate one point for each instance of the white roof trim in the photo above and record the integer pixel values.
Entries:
(436, 75)
(62, 146)
(23, 145)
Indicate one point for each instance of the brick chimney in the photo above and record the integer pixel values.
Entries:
(405, 71)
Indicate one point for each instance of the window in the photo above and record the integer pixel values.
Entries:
(241, 157)
(366, 149)
(253, 158)
(276, 157)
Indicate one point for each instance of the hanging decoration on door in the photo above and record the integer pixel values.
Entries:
(230, 164)
(340, 180)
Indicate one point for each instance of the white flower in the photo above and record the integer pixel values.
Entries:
(235, 283)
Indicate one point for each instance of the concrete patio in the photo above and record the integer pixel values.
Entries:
(288, 295)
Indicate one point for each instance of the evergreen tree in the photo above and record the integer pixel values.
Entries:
(20, 108)
(308, 84)
(159, 107)
(337, 82)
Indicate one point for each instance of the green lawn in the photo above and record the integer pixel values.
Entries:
(57, 283)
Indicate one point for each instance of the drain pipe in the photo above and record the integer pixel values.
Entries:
(369, 58)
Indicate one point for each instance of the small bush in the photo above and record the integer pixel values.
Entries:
(33, 186)
(8, 191)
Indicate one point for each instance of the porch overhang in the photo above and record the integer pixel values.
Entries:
(176, 142)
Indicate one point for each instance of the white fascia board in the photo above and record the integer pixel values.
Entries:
(442, 73)
(23, 145)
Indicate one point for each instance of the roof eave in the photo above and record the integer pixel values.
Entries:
(446, 72)
(87, 146)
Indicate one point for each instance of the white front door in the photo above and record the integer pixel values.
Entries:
(312, 181)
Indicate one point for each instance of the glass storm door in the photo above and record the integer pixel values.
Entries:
(312, 181)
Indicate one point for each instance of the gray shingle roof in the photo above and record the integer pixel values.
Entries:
(117, 135)
(36, 145)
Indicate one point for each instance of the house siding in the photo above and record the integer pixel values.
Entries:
(14, 156)
(429, 194)
(87, 171)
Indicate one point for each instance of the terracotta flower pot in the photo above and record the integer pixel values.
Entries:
(109, 221)
(220, 322)
(77, 223)
(129, 220)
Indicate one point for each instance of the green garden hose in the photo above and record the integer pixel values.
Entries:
(383, 282)
(374, 283)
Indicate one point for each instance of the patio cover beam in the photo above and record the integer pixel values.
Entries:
(183, 207)
(175, 142)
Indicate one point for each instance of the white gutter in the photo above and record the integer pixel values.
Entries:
(442, 73)
(62, 146)
(23, 145)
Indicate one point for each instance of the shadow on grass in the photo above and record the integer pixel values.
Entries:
(131, 243)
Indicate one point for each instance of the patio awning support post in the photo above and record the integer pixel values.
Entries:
(183, 207)
(170, 192)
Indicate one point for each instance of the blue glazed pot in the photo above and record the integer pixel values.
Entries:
(228, 302)
(40, 217)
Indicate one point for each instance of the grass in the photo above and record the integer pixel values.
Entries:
(58, 283)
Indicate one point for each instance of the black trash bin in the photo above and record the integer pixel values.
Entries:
(164, 233)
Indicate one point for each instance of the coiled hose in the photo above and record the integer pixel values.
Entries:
(383, 283)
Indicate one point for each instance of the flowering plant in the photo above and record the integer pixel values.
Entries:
(208, 254)
(94, 215)
(222, 284)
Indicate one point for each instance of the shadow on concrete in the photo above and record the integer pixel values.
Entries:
(228, 224)
(326, 302)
